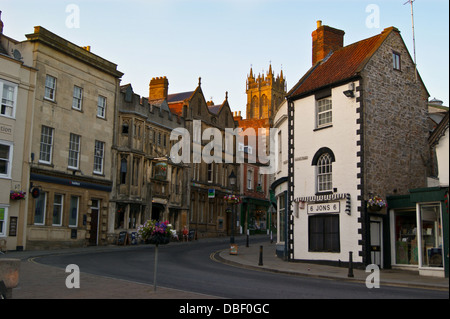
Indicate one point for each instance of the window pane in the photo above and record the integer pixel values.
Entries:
(57, 210)
(74, 150)
(50, 84)
(4, 159)
(98, 156)
(101, 106)
(73, 213)
(432, 240)
(39, 211)
(77, 97)
(46, 144)
(7, 100)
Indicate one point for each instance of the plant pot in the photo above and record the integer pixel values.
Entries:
(159, 240)
(374, 208)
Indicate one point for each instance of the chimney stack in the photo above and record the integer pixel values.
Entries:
(324, 40)
(159, 88)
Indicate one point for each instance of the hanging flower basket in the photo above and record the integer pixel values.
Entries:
(156, 233)
(232, 199)
(376, 203)
(17, 195)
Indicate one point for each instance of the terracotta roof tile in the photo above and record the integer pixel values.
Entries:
(341, 65)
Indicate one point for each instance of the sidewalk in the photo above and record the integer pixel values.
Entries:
(249, 257)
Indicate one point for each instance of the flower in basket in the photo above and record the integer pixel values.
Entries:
(154, 232)
(376, 202)
(232, 199)
(17, 195)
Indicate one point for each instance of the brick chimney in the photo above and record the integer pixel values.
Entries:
(324, 40)
(159, 88)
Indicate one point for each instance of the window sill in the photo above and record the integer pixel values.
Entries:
(323, 127)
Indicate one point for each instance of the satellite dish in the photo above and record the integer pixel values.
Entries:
(17, 55)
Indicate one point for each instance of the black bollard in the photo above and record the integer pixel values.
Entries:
(350, 265)
(247, 236)
(260, 256)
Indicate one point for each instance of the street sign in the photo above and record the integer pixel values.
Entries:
(333, 207)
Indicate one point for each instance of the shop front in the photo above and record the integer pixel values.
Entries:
(255, 215)
(419, 231)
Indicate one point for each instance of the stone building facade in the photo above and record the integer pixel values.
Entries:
(17, 85)
(209, 214)
(146, 183)
(72, 135)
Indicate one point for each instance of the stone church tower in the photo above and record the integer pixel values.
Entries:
(264, 94)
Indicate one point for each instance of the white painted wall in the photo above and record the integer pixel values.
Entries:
(342, 139)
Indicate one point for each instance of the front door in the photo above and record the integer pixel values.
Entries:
(375, 242)
(93, 232)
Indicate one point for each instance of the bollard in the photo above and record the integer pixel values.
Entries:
(9, 274)
(247, 236)
(260, 256)
(350, 265)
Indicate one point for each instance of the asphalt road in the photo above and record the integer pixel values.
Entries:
(188, 267)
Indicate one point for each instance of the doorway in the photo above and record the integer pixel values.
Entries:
(376, 241)
(93, 232)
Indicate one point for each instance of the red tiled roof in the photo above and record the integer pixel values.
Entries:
(342, 65)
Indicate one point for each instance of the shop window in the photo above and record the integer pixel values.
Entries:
(406, 252)
(73, 211)
(431, 234)
(324, 233)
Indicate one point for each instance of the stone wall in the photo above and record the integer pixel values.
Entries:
(394, 122)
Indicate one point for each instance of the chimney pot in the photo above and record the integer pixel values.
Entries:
(1, 23)
(319, 23)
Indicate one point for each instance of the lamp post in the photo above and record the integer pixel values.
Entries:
(232, 181)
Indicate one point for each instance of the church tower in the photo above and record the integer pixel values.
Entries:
(264, 94)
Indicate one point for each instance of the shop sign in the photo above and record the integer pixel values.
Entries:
(211, 193)
(321, 208)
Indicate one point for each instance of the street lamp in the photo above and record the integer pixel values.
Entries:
(232, 182)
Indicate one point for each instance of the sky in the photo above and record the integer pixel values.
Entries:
(219, 40)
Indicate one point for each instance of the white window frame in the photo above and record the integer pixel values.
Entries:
(101, 107)
(8, 160)
(74, 151)
(99, 157)
(3, 103)
(50, 88)
(77, 100)
(60, 207)
(324, 117)
(49, 134)
(324, 173)
(4, 220)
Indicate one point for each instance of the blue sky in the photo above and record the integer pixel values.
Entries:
(218, 40)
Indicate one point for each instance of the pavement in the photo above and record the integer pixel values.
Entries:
(39, 281)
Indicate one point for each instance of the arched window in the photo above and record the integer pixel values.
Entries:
(324, 173)
(323, 160)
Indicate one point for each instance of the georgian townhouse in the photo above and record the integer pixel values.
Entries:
(352, 129)
(17, 85)
(72, 135)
